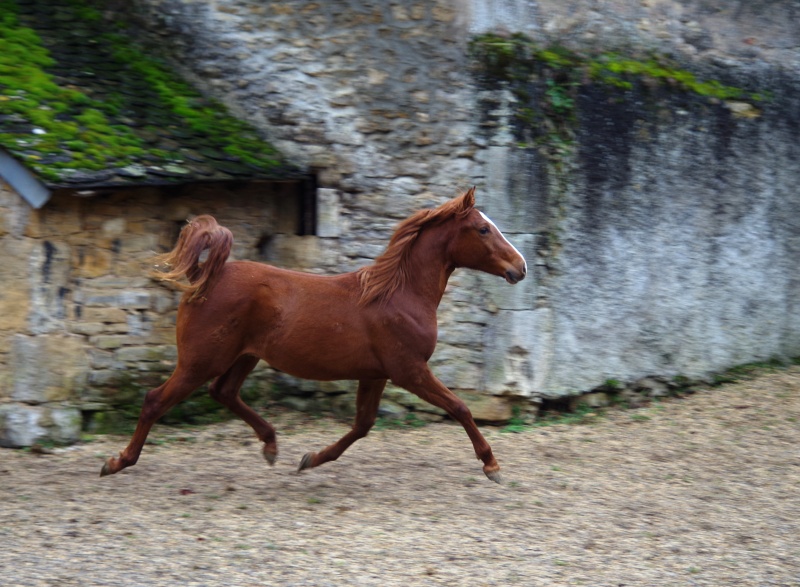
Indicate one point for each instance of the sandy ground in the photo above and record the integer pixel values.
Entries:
(699, 491)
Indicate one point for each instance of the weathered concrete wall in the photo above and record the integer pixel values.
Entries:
(79, 316)
(676, 242)
(667, 233)
(674, 222)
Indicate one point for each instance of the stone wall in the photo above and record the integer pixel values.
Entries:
(663, 245)
(665, 215)
(377, 99)
(79, 316)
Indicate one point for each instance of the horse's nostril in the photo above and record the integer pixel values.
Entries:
(513, 277)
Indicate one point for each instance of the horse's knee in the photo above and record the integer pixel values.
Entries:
(460, 412)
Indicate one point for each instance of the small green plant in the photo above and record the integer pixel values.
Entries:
(410, 420)
(517, 423)
(513, 58)
(558, 98)
(749, 371)
(583, 414)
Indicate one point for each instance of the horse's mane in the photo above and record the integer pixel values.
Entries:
(390, 270)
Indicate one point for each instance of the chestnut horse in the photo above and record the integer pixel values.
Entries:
(373, 325)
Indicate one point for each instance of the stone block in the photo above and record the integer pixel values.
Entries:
(391, 410)
(597, 399)
(329, 223)
(135, 300)
(407, 399)
(126, 299)
(49, 266)
(105, 377)
(146, 353)
(14, 305)
(101, 359)
(87, 328)
(22, 425)
(48, 368)
(94, 262)
(301, 252)
(64, 425)
(104, 315)
(516, 346)
(165, 301)
(486, 408)
(114, 227)
(109, 341)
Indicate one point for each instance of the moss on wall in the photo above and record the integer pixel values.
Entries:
(56, 127)
(545, 80)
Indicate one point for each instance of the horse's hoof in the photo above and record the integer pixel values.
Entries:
(106, 470)
(495, 476)
(306, 461)
(269, 456)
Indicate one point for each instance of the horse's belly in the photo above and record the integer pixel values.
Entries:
(324, 370)
(323, 357)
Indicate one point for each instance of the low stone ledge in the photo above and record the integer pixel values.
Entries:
(146, 353)
(23, 425)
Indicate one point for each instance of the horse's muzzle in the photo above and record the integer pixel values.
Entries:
(514, 276)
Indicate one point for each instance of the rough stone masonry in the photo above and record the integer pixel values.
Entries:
(674, 225)
(675, 233)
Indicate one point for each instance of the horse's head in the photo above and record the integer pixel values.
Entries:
(479, 244)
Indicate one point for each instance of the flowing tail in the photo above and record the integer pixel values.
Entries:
(202, 233)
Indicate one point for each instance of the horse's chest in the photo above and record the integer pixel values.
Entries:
(412, 333)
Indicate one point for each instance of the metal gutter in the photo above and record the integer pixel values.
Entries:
(23, 181)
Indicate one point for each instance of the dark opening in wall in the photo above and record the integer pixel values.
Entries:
(308, 206)
(262, 247)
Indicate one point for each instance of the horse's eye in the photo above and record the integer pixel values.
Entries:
(484, 230)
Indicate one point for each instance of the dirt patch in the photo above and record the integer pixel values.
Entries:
(699, 491)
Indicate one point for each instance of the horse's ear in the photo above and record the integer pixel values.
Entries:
(468, 199)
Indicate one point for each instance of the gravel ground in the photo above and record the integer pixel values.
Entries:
(699, 491)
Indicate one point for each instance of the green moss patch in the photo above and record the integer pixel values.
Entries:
(546, 80)
(81, 103)
(512, 58)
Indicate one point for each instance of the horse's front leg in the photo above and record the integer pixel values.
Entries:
(421, 382)
(368, 398)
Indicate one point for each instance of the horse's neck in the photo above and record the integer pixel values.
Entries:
(428, 269)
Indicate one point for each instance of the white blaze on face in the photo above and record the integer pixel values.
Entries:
(489, 220)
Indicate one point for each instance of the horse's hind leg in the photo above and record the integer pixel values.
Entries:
(226, 391)
(368, 398)
(157, 402)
